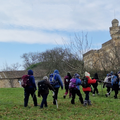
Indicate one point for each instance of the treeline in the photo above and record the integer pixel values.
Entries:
(57, 58)
(69, 58)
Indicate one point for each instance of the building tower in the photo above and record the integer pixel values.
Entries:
(114, 29)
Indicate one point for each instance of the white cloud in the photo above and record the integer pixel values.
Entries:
(61, 15)
(30, 37)
(58, 15)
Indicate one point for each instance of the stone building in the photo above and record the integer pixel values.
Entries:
(103, 58)
(10, 79)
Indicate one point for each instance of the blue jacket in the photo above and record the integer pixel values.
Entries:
(78, 83)
(32, 80)
(58, 77)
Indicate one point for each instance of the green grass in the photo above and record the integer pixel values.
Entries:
(102, 108)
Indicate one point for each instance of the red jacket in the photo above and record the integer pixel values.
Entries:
(90, 81)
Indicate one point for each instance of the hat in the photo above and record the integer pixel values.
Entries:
(45, 78)
(118, 72)
(87, 74)
(108, 74)
(111, 72)
(77, 76)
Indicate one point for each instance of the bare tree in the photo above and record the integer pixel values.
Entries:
(30, 58)
(13, 67)
(66, 58)
(78, 45)
(49, 60)
(54, 59)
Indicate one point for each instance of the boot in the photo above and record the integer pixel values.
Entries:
(54, 102)
(81, 100)
(72, 101)
(107, 94)
(85, 102)
(89, 102)
(115, 96)
(64, 96)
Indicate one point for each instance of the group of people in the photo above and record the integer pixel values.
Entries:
(112, 83)
(30, 89)
(72, 92)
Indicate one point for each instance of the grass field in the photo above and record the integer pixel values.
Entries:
(102, 108)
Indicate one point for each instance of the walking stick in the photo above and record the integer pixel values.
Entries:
(56, 103)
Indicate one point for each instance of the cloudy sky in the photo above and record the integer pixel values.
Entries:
(38, 25)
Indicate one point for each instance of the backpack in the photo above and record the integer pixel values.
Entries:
(42, 86)
(25, 81)
(53, 79)
(72, 83)
(66, 80)
(114, 79)
(84, 82)
(109, 79)
(108, 82)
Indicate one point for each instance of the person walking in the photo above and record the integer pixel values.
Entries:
(115, 84)
(87, 89)
(107, 83)
(66, 84)
(43, 90)
(56, 83)
(76, 90)
(95, 85)
(30, 90)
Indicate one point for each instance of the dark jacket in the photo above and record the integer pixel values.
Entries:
(96, 76)
(66, 80)
(32, 80)
(97, 79)
(46, 91)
